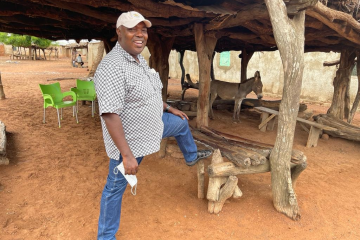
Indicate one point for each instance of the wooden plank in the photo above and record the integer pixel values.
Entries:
(313, 137)
(315, 124)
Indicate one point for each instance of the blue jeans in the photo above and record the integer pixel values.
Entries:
(110, 206)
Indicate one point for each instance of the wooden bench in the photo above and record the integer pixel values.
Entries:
(268, 118)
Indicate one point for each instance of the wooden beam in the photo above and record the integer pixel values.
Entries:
(343, 23)
(248, 13)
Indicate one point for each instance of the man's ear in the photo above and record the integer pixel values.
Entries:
(118, 32)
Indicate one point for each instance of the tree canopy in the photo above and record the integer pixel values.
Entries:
(18, 40)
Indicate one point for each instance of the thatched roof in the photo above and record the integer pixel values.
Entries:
(239, 23)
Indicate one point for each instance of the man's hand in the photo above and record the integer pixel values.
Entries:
(116, 131)
(131, 165)
(179, 113)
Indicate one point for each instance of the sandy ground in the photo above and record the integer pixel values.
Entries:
(51, 189)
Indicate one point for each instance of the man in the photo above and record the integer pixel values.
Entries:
(79, 60)
(132, 115)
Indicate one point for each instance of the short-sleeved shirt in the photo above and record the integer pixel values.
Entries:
(133, 91)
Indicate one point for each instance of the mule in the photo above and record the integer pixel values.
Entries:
(237, 91)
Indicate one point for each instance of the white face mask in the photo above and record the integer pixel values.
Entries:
(131, 179)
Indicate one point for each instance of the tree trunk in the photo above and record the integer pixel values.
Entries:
(205, 45)
(212, 72)
(340, 102)
(246, 56)
(181, 62)
(44, 53)
(30, 53)
(50, 54)
(343, 129)
(289, 36)
(2, 93)
(97, 59)
(160, 48)
(357, 98)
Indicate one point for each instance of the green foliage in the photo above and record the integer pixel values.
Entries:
(3, 37)
(23, 40)
(41, 42)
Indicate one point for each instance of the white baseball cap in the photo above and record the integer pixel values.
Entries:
(131, 19)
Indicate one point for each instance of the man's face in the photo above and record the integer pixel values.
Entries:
(133, 40)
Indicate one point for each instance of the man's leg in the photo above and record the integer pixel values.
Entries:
(110, 206)
(174, 126)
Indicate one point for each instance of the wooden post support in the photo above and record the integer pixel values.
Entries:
(2, 94)
(264, 122)
(313, 137)
(215, 183)
(245, 58)
(160, 48)
(3, 159)
(162, 151)
(271, 124)
(205, 45)
(226, 192)
(264, 116)
(201, 178)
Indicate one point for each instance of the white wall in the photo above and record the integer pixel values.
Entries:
(317, 80)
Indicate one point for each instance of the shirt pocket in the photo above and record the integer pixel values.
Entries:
(155, 81)
(139, 88)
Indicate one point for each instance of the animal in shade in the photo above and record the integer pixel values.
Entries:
(237, 91)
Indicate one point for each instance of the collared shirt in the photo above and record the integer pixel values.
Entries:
(133, 91)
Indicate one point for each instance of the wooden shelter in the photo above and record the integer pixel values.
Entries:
(207, 26)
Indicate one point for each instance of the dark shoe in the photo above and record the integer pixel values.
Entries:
(200, 155)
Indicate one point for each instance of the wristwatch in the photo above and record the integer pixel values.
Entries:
(167, 108)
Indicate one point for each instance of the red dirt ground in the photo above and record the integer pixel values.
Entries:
(51, 189)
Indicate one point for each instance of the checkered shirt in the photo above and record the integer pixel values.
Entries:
(132, 91)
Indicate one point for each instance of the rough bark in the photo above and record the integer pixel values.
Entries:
(205, 45)
(226, 192)
(201, 178)
(341, 83)
(3, 159)
(357, 98)
(2, 93)
(97, 59)
(343, 129)
(344, 24)
(289, 36)
(214, 183)
(160, 48)
(245, 58)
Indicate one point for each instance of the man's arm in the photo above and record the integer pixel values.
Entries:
(175, 111)
(116, 131)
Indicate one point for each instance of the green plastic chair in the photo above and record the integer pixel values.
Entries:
(53, 97)
(85, 91)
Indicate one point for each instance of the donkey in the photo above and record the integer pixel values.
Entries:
(237, 91)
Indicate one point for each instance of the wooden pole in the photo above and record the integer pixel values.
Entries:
(289, 33)
(245, 58)
(160, 48)
(340, 102)
(2, 93)
(357, 98)
(205, 45)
